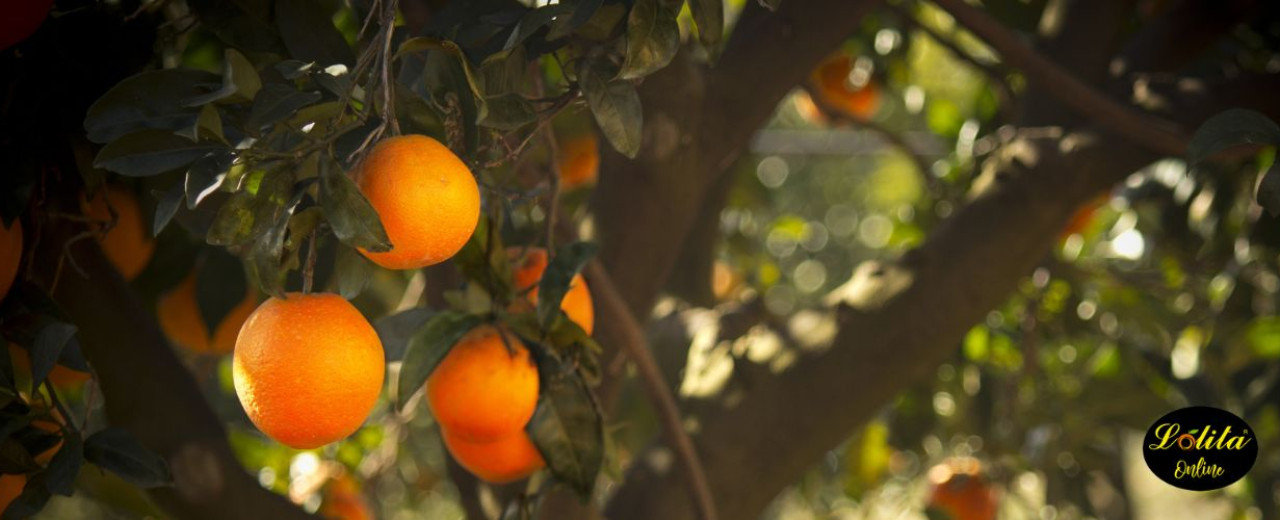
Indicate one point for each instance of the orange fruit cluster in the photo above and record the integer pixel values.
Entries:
(530, 264)
(830, 81)
(180, 318)
(579, 160)
(426, 197)
(483, 394)
(307, 369)
(959, 489)
(127, 245)
(10, 255)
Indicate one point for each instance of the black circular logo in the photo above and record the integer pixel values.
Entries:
(1200, 448)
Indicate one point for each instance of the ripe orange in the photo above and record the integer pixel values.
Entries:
(308, 369)
(426, 197)
(725, 281)
(10, 487)
(831, 83)
(179, 315)
(579, 159)
(961, 491)
(127, 245)
(577, 302)
(19, 22)
(60, 376)
(341, 500)
(485, 388)
(1083, 216)
(10, 255)
(499, 461)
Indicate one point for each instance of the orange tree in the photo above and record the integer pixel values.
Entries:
(948, 315)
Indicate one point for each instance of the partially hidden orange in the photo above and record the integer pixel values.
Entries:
(60, 376)
(486, 388)
(307, 369)
(579, 160)
(499, 461)
(10, 255)
(426, 197)
(180, 318)
(530, 263)
(127, 245)
(959, 489)
(341, 499)
(10, 487)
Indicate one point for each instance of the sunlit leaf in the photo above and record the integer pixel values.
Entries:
(653, 37)
(353, 219)
(206, 175)
(709, 16)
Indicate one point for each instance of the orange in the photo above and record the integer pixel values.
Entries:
(506, 459)
(341, 500)
(308, 369)
(19, 21)
(1083, 216)
(961, 491)
(179, 315)
(10, 487)
(60, 376)
(426, 197)
(485, 388)
(10, 255)
(831, 83)
(725, 281)
(127, 245)
(577, 302)
(579, 159)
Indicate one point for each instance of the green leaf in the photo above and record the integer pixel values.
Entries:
(167, 207)
(151, 152)
(396, 330)
(294, 69)
(354, 271)
(151, 100)
(47, 348)
(709, 16)
(307, 29)
(567, 427)
(209, 124)
(427, 348)
(533, 21)
(1229, 129)
(248, 215)
(503, 72)
(115, 450)
(220, 285)
(1263, 335)
(206, 175)
(60, 476)
(416, 45)
(276, 102)
(653, 37)
(556, 279)
(240, 82)
(1267, 190)
(508, 112)
(615, 104)
(352, 218)
(483, 258)
(566, 25)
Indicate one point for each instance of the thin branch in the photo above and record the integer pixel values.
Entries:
(1149, 131)
(655, 386)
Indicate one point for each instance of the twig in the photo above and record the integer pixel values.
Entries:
(309, 272)
(553, 199)
(1145, 129)
(655, 385)
(388, 95)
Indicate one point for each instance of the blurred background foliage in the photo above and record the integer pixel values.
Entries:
(1159, 294)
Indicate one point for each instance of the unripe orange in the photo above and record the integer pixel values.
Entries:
(500, 461)
(486, 388)
(426, 197)
(128, 245)
(577, 303)
(180, 318)
(308, 369)
(579, 159)
(10, 255)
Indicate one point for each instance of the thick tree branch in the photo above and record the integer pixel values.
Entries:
(148, 391)
(1149, 131)
(1179, 34)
